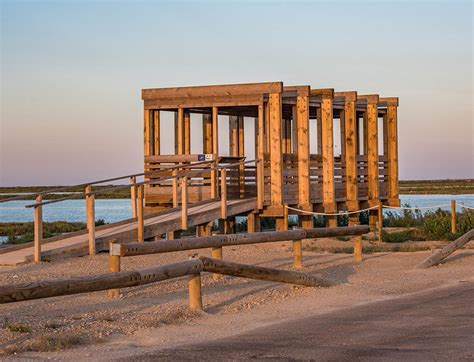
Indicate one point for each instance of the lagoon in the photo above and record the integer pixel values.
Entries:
(112, 210)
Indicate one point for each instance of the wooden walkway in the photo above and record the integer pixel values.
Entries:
(125, 231)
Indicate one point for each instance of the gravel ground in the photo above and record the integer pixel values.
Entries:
(152, 317)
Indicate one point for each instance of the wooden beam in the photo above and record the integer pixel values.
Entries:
(156, 131)
(350, 153)
(329, 198)
(146, 133)
(92, 283)
(233, 136)
(392, 142)
(260, 155)
(180, 132)
(443, 253)
(187, 133)
(262, 273)
(302, 125)
(275, 149)
(221, 240)
(215, 131)
(214, 90)
(207, 133)
(372, 150)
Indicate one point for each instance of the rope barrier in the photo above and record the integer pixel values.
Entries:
(330, 214)
(373, 208)
(416, 207)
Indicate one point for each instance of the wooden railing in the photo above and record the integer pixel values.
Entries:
(179, 177)
(192, 268)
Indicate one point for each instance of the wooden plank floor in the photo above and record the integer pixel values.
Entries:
(127, 232)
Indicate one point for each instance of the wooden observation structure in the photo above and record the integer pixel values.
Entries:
(294, 130)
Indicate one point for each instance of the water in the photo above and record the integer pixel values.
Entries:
(112, 210)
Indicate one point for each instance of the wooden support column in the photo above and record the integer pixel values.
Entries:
(302, 142)
(90, 219)
(327, 144)
(38, 229)
(260, 141)
(187, 133)
(350, 153)
(180, 131)
(253, 222)
(233, 136)
(147, 133)
(241, 153)
(207, 133)
(215, 132)
(372, 154)
(276, 167)
(184, 203)
(392, 151)
(195, 296)
(156, 133)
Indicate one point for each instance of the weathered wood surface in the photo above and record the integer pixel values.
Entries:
(92, 283)
(262, 273)
(165, 246)
(443, 253)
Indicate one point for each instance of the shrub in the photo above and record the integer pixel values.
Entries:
(403, 236)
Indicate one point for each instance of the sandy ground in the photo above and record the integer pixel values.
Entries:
(151, 318)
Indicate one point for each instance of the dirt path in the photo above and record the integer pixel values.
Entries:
(433, 325)
(153, 318)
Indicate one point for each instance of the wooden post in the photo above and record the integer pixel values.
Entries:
(453, 217)
(380, 221)
(392, 152)
(350, 150)
(207, 133)
(38, 229)
(156, 131)
(146, 133)
(195, 295)
(187, 132)
(140, 224)
(253, 222)
(301, 118)
(184, 203)
(215, 132)
(371, 118)
(133, 195)
(358, 248)
(180, 132)
(276, 180)
(260, 155)
(114, 267)
(297, 254)
(175, 188)
(214, 180)
(223, 193)
(90, 217)
(216, 253)
(327, 143)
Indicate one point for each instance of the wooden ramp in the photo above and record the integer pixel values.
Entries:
(125, 231)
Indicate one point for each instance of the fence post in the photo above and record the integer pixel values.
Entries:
(38, 229)
(114, 266)
(297, 254)
(90, 217)
(453, 217)
(216, 253)
(358, 249)
(380, 221)
(195, 294)
(140, 225)
(133, 195)
(184, 203)
(223, 193)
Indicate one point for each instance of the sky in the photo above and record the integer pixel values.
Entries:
(72, 73)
